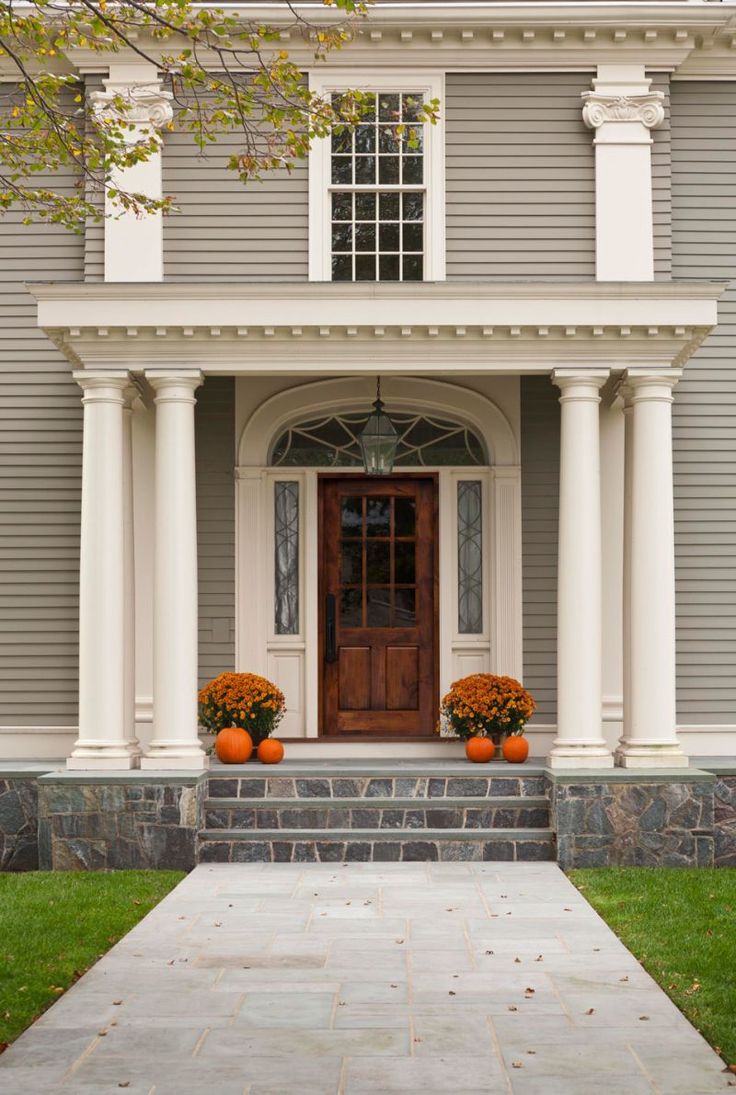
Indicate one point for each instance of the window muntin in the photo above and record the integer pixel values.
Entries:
(377, 193)
(332, 442)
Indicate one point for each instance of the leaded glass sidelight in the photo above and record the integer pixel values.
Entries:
(286, 558)
(470, 557)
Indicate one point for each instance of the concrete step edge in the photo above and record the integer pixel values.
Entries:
(502, 802)
(341, 835)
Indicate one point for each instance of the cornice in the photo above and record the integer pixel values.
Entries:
(322, 329)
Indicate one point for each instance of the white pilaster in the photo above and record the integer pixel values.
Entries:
(134, 244)
(129, 396)
(103, 741)
(650, 734)
(579, 742)
(175, 742)
(622, 110)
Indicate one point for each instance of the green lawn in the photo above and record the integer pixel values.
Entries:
(681, 925)
(54, 926)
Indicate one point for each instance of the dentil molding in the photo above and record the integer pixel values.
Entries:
(599, 108)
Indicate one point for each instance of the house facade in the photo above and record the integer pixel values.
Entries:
(545, 291)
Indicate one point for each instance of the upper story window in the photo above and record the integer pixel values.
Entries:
(377, 193)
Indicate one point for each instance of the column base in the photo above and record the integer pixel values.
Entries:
(573, 755)
(165, 760)
(101, 763)
(643, 755)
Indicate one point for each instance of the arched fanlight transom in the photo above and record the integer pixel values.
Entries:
(332, 441)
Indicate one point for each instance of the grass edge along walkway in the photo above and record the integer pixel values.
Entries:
(679, 924)
(55, 925)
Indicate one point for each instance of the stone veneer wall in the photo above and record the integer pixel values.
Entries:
(619, 822)
(18, 823)
(106, 821)
(725, 821)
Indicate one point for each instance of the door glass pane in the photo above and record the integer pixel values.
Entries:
(405, 516)
(351, 516)
(378, 562)
(379, 607)
(405, 608)
(286, 558)
(351, 611)
(405, 562)
(351, 569)
(377, 516)
(469, 558)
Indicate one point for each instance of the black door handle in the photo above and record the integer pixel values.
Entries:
(330, 629)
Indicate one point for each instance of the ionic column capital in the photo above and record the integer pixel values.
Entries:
(144, 106)
(646, 109)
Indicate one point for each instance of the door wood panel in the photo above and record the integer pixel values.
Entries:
(378, 559)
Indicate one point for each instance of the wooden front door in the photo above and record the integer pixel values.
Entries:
(378, 597)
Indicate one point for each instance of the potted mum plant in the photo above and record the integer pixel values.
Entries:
(242, 710)
(484, 711)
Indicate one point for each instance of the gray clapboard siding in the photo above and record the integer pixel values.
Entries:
(94, 231)
(40, 483)
(662, 187)
(227, 230)
(520, 177)
(540, 471)
(704, 246)
(215, 451)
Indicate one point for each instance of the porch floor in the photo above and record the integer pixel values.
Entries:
(402, 977)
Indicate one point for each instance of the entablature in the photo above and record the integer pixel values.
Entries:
(323, 328)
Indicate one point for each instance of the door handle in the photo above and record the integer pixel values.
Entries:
(330, 629)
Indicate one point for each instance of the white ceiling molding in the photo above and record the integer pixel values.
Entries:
(324, 329)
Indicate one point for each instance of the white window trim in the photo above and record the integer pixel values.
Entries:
(432, 86)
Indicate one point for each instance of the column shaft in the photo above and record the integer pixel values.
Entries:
(579, 741)
(129, 575)
(175, 742)
(650, 719)
(102, 742)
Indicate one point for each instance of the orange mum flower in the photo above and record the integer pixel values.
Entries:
(487, 705)
(241, 699)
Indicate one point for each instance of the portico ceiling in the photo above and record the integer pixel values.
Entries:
(322, 329)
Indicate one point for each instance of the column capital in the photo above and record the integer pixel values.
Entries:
(175, 387)
(579, 383)
(643, 384)
(146, 106)
(103, 386)
(600, 107)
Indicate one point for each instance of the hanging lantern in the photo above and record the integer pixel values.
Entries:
(378, 439)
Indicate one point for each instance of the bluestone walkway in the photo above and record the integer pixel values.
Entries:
(398, 977)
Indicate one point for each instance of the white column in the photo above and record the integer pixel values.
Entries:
(103, 741)
(129, 394)
(650, 720)
(175, 742)
(622, 110)
(134, 244)
(579, 742)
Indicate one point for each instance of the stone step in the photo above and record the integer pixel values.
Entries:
(373, 845)
(500, 812)
(248, 781)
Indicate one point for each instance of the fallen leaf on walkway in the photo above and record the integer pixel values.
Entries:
(644, 1018)
(394, 986)
(532, 1052)
(117, 1002)
(399, 940)
(590, 1011)
(451, 993)
(539, 958)
(217, 924)
(489, 952)
(517, 960)
(567, 908)
(341, 1003)
(516, 1064)
(512, 1007)
(528, 992)
(596, 949)
(623, 978)
(730, 1068)
(124, 1083)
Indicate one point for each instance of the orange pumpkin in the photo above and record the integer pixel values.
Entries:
(233, 745)
(270, 751)
(480, 750)
(515, 749)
